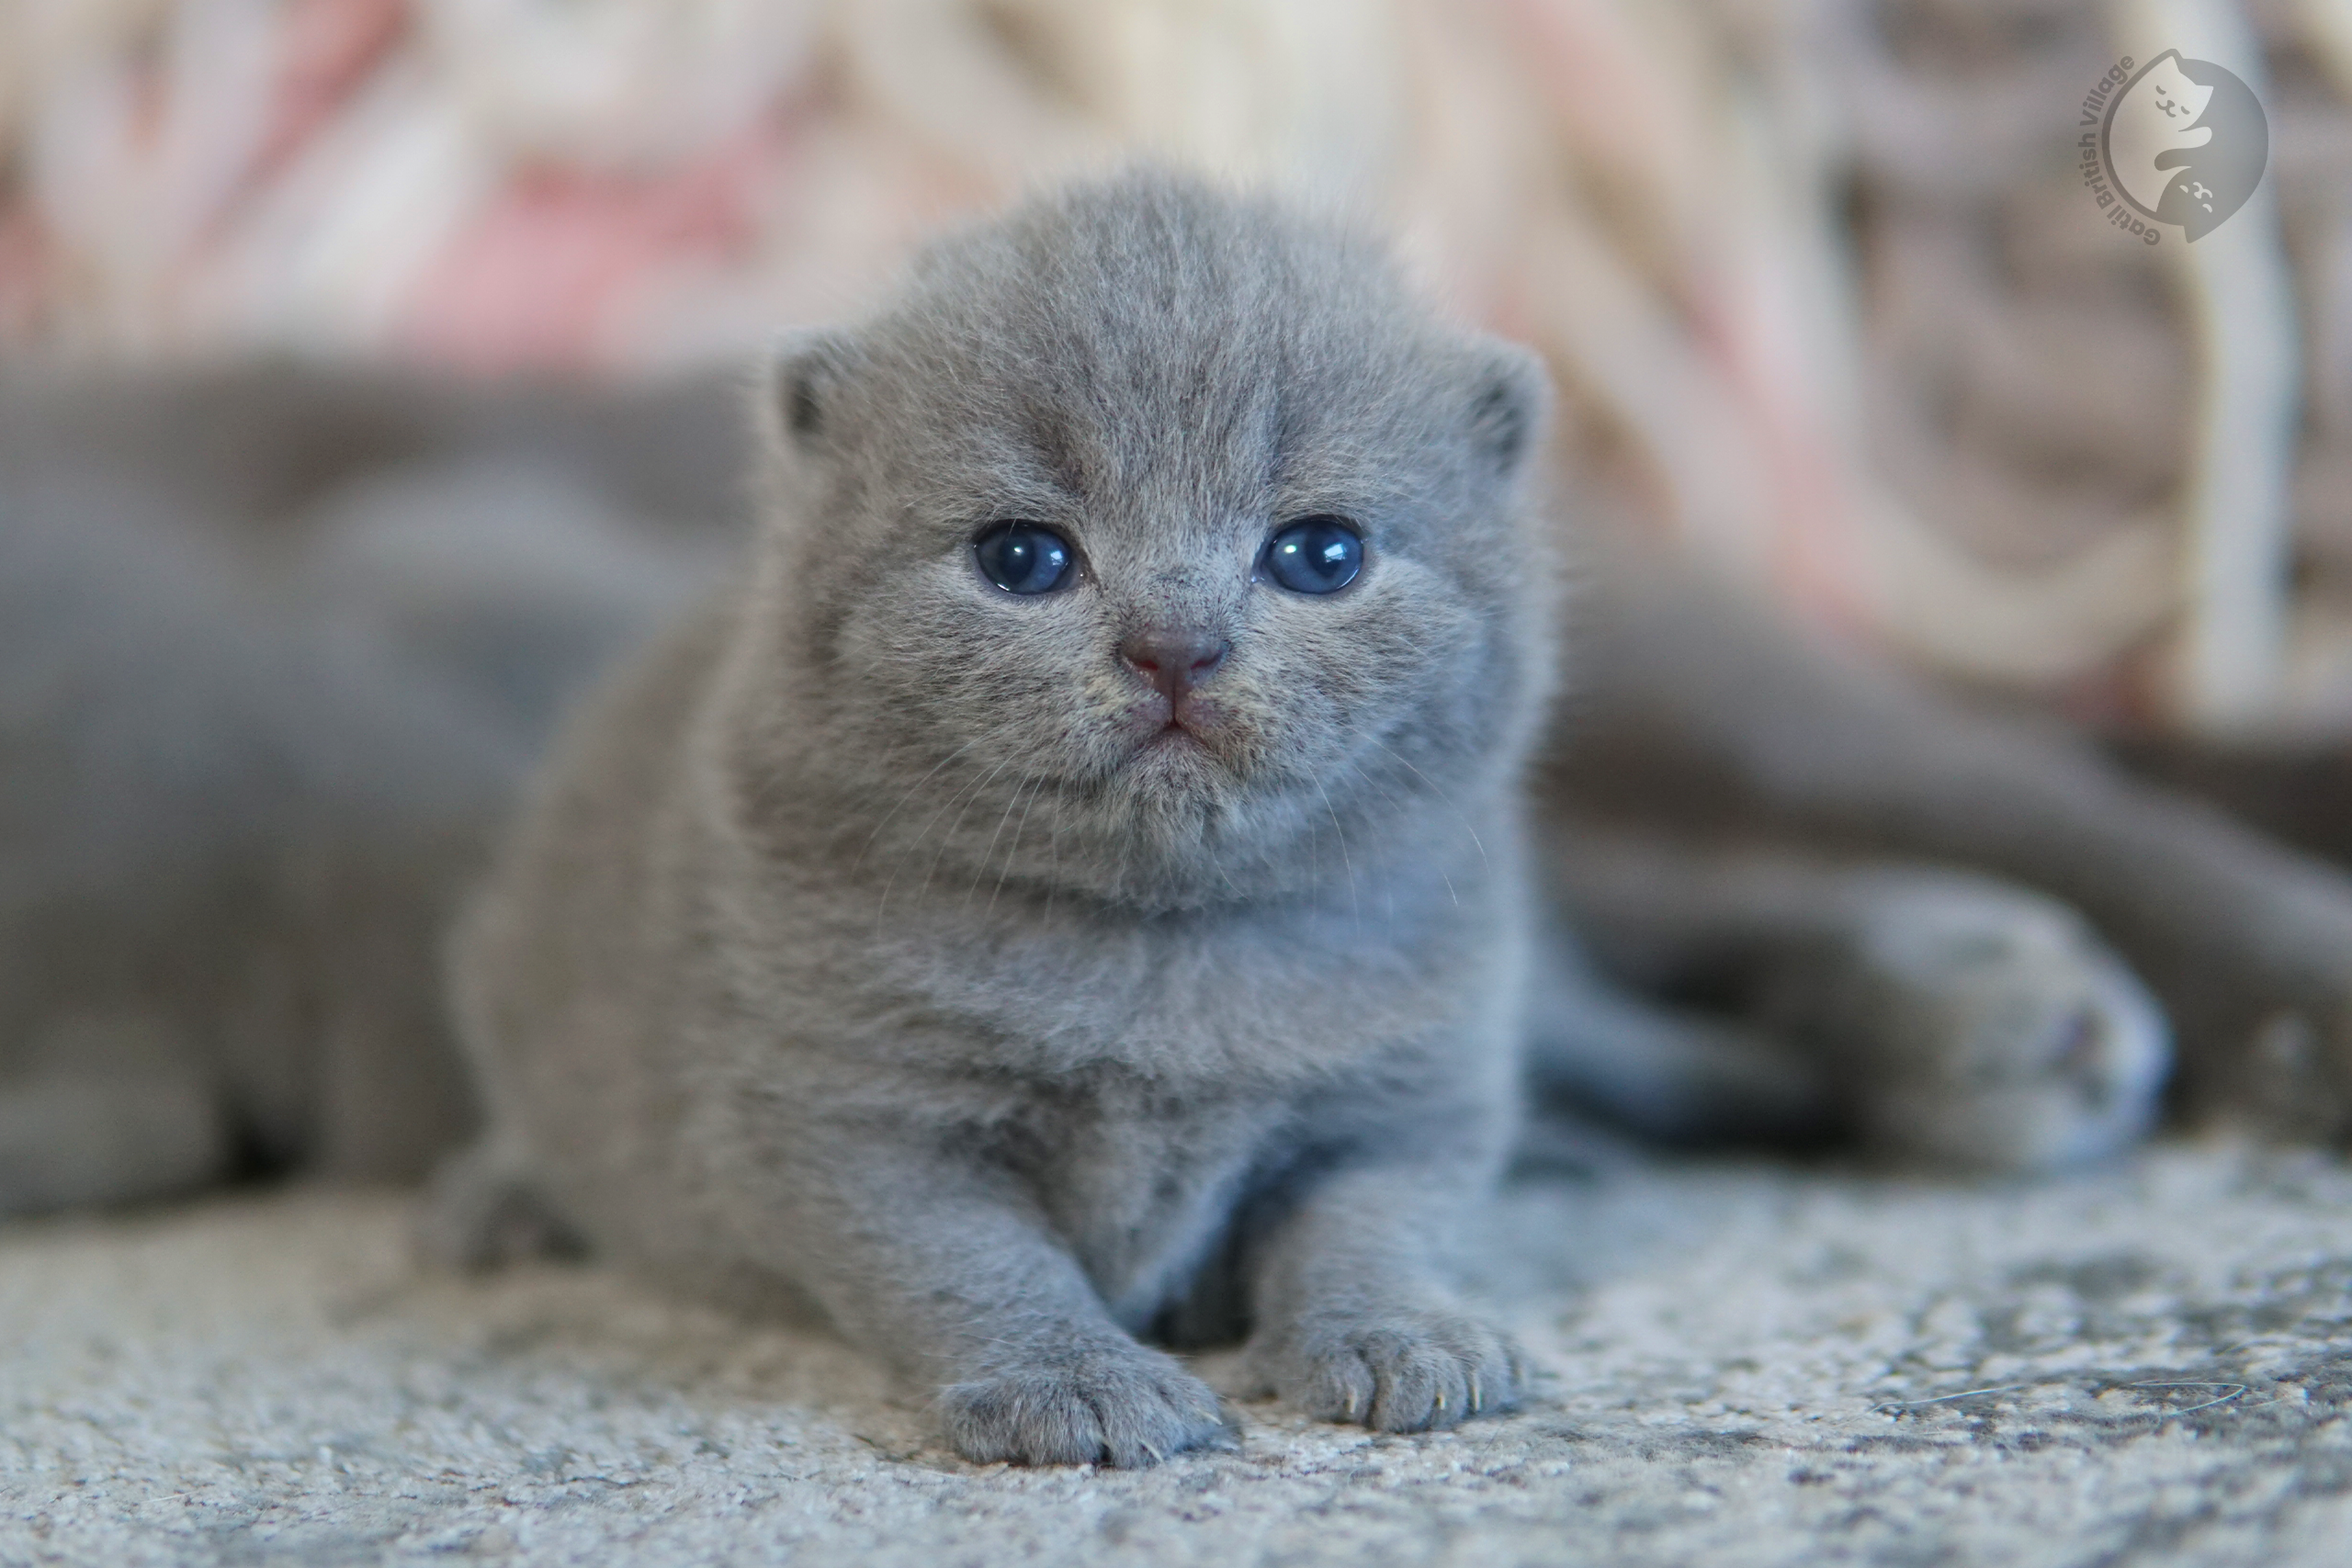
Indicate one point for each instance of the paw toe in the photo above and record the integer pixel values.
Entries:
(1126, 1407)
(1409, 1374)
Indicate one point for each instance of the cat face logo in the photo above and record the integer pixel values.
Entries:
(2185, 142)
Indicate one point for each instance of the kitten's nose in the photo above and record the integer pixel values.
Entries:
(1174, 661)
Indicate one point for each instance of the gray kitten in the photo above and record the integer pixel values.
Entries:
(1072, 885)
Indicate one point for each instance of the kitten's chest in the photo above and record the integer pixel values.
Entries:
(1139, 1188)
(1262, 1005)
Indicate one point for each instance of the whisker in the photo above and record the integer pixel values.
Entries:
(981, 868)
(1054, 877)
(967, 795)
(1036, 788)
(905, 797)
(1400, 804)
(898, 865)
(1442, 795)
(1354, 908)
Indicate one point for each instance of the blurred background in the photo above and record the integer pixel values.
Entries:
(1830, 301)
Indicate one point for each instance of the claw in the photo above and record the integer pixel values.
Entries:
(1476, 1398)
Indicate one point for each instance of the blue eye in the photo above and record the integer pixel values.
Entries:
(1315, 555)
(1022, 558)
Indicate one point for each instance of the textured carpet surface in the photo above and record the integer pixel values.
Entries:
(1746, 1365)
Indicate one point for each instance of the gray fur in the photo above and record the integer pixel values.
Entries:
(273, 654)
(1712, 728)
(874, 937)
(1943, 1017)
(214, 945)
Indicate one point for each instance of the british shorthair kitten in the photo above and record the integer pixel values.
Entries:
(1072, 885)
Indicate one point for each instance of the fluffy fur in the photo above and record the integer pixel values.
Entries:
(892, 936)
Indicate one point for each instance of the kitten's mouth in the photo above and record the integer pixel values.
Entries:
(1175, 732)
(1184, 746)
(1191, 736)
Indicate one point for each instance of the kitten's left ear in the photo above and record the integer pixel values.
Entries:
(1511, 404)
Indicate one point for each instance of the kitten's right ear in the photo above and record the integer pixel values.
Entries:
(804, 393)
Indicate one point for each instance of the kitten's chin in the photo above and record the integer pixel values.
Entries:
(1177, 761)
(1172, 735)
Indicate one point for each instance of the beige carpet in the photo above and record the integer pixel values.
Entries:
(1748, 1365)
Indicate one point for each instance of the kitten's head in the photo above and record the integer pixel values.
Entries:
(1156, 544)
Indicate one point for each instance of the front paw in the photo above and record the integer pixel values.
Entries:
(482, 1209)
(1984, 1026)
(1114, 1404)
(1404, 1369)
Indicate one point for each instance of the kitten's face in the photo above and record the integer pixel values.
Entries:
(1157, 549)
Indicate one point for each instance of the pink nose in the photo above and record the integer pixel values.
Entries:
(1174, 661)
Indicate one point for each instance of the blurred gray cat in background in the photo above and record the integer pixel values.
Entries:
(1078, 881)
(276, 649)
